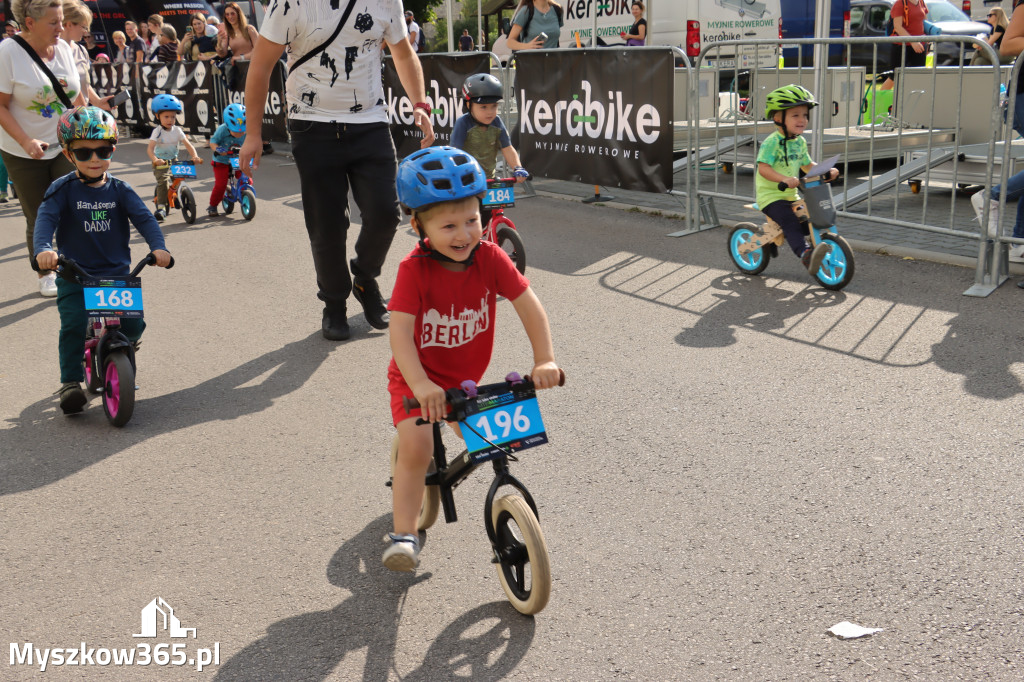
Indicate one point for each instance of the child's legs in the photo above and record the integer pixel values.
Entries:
(132, 327)
(782, 213)
(415, 451)
(73, 326)
(163, 181)
(1018, 225)
(4, 179)
(220, 182)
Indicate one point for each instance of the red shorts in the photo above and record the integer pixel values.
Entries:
(398, 413)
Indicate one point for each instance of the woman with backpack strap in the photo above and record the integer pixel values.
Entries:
(907, 20)
(534, 18)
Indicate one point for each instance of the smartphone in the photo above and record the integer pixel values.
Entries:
(188, 30)
(543, 37)
(119, 99)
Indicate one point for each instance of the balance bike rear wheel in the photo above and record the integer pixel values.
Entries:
(511, 243)
(837, 269)
(754, 262)
(93, 378)
(431, 495)
(524, 567)
(188, 205)
(118, 389)
(248, 204)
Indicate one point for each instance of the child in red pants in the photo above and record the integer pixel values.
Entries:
(230, 133)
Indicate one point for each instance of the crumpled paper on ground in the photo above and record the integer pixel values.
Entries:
(848, 630)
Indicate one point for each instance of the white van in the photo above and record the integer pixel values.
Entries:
(690, 25)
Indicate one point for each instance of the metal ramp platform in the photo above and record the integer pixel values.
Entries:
(886, 181)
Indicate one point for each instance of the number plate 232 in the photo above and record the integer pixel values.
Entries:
(515, 425)
(113, 298)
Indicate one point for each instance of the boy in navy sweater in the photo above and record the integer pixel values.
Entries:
(89, 210)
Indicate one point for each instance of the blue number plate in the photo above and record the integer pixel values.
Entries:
(513, 423)
(183, 170)
(500, 195)
(113, 297)
(234, 163)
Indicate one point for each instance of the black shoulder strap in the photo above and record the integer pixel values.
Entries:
(57, 87)
(323, 46)
(526, 27)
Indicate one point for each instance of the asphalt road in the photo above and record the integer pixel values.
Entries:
(736, 465)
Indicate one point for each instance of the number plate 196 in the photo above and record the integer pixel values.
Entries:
(114, 298)
(515, 425)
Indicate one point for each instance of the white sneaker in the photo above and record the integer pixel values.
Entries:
(48, 285)
(402, 553)
(978, 202)
(1017, 253)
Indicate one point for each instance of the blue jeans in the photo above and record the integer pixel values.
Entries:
(333, 158)
(1015, 183)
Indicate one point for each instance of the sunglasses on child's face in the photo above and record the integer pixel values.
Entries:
(83, 154)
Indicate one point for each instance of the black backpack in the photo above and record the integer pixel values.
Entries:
(529, 18)
(421, 41)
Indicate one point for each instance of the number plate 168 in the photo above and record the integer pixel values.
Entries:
(517, 426)
(114, 298)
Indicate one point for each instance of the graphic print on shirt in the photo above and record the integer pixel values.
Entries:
(451, 331)
(97, 215)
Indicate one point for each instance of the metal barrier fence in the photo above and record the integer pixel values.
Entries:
(932, 129)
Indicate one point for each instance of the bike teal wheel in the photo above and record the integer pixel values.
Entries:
(248, 204)
(118, 389)
(229, 206)
(837, 269)
(753, 262)
(188, 205)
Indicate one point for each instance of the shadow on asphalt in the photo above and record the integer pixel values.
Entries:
(895, 312)
(38, 454)
(486, 643)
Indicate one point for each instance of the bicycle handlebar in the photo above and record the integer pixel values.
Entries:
(70, 264)
(411, 404)
(808, 178)
(491, 181)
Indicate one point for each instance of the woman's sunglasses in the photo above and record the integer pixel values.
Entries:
(991, 15)
(83, 154)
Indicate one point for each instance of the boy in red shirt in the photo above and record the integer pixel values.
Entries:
(442, 319)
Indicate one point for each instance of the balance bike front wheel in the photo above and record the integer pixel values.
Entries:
(511, 243)
(118, 389)
(188, 205)
(837, 268)
(750, 263)
(524, 567)
(248, 204)
(431, 494)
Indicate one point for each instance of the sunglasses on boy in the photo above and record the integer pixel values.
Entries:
(83, 154)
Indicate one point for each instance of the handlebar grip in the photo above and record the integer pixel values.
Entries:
(561, 377)
(783, 186)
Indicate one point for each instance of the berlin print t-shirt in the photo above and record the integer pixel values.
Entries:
(343, 82)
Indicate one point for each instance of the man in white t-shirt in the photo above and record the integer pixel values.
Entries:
(414, 30)
(338, 120)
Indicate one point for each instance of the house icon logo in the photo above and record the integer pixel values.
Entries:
(158, 614)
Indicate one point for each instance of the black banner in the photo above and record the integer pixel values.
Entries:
(192, 83)
(599, 116)
(443, 74)
(275, 127)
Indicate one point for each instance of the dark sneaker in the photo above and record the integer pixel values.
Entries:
(805, 258)
(159, 215)
(72, 397)
(212, 212)
(268, 148)
(817, 257)
(368, 294)
(335, 326)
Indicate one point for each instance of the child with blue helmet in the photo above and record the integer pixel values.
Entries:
(89, 214)
(442, 319)
(163, 147)
(230, 133)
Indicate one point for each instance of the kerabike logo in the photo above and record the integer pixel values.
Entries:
(159, 612)
(444, 109)
(588, 117)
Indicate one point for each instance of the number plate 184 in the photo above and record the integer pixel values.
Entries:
(500, 195)
(515, 425)
(114, 298)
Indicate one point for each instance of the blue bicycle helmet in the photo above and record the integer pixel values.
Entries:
(438, 174)
(164, 102)
(234, 118)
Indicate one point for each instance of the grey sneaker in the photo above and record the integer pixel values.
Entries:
(72, 397)
(978, 202)
(403, 554)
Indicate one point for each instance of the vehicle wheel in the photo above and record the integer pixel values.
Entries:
(726, 167)
(229, 206)
(188, 205)
(915, 186)
(523, 564)
(511, 243)
(93, 379)
(837, 269)
(431, 495)
(248, 204)
(754, 262)
(119, 389)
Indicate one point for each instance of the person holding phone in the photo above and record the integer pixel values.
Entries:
(197, 46)
(77, 19)
(537, 25)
